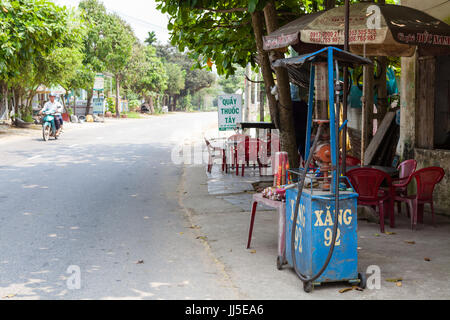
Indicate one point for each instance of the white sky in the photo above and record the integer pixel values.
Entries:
(142, 16)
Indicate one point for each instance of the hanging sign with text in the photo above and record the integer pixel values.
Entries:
(230, 111)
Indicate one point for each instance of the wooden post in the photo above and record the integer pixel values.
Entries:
(367, 108)
(345, 97)
(425, 105)
(247, 93)
(382, 90)
(261, 102)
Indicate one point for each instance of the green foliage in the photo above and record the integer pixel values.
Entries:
(185, 103)
(225, 38)
(145, 72)
(118, 40)
(95, 51)
(176, 78)
(230, 84)
(28, 118)
(111, 105)
(222, 31)
(151, 39)
(29, 30)
(132, 115)
(195, 79)
(107, 43)
(134, 104)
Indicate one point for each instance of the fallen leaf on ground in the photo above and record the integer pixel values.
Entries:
(376, 234)
(410, 242)
(252, 251)
(181, 232)
(357, 288)
(9, 296)
(201, 237)
(394, 279)
(139, 261)
(345, 290)
(398, 284)
(427, 259)
(194, 227)
(389, 233)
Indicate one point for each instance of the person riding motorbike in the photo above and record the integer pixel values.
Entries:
(54, 106)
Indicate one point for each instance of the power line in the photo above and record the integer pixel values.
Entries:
(139, 20)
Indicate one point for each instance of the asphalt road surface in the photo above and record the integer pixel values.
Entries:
(96, 215)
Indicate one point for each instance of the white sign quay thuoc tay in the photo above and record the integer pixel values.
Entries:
(230, 111)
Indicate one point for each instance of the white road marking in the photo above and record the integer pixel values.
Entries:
(32, 158)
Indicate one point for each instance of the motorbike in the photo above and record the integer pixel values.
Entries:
(49, 127)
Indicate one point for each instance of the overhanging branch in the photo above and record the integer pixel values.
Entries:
(223, 10)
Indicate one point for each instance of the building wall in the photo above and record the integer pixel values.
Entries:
(438, 158)
(425, 157)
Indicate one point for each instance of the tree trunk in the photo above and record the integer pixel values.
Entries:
(287, 131)
(152, 108)
(264, 63)
(88, 102)
(4, 100)
(175, 98)
(261, 102)
(117, 97)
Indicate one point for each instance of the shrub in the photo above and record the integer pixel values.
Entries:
(111, 105)
(133, 105)
(28, 118)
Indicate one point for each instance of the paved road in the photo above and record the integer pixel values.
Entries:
(103, 198)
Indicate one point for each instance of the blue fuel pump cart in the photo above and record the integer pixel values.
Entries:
(321, 211)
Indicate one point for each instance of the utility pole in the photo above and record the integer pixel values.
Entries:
(345, 102)
(247, 93)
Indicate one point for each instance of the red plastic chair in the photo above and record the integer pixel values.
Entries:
(273, 146)
(250, 150)
(367, 183)
(426, 180)
(406, 169)
(212, 155)
(235, 139)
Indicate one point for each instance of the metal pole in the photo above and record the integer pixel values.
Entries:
(345, 75)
